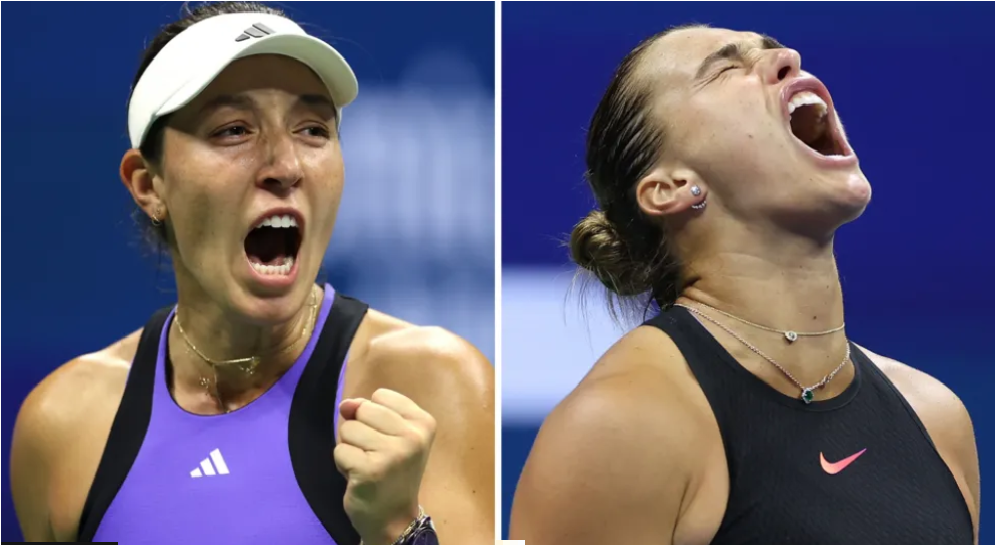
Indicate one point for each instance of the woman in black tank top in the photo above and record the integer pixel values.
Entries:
(742, 413)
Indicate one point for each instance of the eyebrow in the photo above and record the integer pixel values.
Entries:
(321, 102)
(734, 51)
(240, 102)
(243, 102)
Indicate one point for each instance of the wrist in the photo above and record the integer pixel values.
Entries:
(390, 531)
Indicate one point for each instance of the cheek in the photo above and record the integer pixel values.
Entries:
(325, 191)
(199, 217)
(203, 208)
(731, 136)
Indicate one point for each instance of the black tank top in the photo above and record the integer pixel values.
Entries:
(856, 469)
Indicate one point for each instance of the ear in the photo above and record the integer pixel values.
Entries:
(138, 177)
(666, 191)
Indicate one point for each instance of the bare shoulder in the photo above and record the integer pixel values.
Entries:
(936, 405)
(65, 397)
(59, 436)
(423, 360)
(637, 393)
(627, 435)
(946, 420)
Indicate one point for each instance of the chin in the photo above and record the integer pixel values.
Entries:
(273, 308)
(852, 199)
(819, 215)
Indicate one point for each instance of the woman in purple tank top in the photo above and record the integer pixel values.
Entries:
(262, 407)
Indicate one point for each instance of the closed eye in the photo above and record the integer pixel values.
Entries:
(718, 74)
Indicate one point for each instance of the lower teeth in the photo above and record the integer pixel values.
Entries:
(281, 270)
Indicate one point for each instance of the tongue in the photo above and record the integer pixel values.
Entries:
(267, 246)
(807, 125)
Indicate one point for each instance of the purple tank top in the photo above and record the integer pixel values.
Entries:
(217, 479)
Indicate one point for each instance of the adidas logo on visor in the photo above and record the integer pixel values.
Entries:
(257, 30)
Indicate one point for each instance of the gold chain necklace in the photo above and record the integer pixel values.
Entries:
(252, 361)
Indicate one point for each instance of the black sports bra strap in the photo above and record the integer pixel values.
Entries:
(128, 430)
(312, 420)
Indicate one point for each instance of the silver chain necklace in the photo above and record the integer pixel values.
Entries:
(790, 335)
(807, 393)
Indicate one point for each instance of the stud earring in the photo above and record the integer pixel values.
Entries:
(155, 217)
(696, 191)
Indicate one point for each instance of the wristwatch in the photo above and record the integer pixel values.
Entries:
(421, 531)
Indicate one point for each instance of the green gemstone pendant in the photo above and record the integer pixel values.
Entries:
(808, 395)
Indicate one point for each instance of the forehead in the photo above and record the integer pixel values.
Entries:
(266, 72)
(677, 55)
(259, 82)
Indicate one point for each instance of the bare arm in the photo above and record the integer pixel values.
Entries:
(59, 438)
(949, 425)
(610, 465)
(29, 468)
(452, 381)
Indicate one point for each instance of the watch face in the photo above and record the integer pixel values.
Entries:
(423, 535)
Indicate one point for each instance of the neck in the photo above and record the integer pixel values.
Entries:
(203, 330)
(786, 283)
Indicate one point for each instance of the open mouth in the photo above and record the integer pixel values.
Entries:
(811, 123)
(272, 245)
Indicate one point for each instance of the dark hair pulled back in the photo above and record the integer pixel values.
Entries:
(616, 243)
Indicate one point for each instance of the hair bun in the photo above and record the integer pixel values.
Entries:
(591, 240)
(597, 246)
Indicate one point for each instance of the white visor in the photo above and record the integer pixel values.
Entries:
(191, 61)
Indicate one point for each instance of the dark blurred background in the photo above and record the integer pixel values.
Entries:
(910, 81)
(415, 235)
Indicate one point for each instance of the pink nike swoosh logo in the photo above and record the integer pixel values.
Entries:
(836, 467)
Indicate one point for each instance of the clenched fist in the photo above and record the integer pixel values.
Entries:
(383, 449)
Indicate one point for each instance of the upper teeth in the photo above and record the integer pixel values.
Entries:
(806, 98)
(279, 221)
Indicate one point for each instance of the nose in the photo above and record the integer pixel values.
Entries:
(780, 64)
(282, 168)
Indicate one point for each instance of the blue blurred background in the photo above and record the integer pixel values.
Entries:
(910, 81)
(415, 235)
